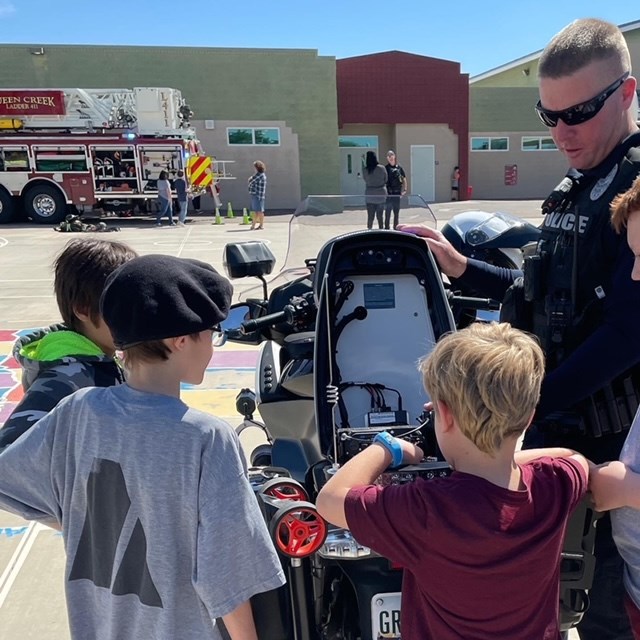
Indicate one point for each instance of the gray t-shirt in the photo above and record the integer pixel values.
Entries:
(164, 189)
(625, 522)
(161, 527)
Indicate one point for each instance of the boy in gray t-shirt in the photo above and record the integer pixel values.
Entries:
(162, 530)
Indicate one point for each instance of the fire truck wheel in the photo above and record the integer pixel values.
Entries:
(7, 207)
(45, 204)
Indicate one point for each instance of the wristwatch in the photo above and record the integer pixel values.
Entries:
(392, 445)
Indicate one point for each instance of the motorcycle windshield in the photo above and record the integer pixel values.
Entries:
(495, 229)
(318, 219)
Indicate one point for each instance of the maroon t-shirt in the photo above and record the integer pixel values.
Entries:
(481, 562)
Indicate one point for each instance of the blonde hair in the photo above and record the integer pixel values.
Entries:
(489, 375)
(624, 204)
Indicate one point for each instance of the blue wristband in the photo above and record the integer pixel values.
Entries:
(392, 445)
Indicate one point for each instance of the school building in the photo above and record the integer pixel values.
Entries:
(312, 118)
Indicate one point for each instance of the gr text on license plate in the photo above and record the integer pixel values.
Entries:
(385, 616)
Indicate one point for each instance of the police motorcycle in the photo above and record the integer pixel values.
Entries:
(341, 331)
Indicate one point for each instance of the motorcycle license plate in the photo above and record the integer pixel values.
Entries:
(385, 616)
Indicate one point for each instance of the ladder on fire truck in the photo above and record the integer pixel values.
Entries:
(141, 111)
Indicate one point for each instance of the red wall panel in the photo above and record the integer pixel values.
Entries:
(402, 88)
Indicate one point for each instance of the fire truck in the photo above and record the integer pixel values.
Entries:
(94, 150)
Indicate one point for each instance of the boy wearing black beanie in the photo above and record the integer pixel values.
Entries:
(162, 530)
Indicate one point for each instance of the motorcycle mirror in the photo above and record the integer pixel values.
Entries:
(252, 258)
(238, 313)
(231, 325)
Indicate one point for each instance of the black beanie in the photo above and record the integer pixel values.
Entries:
(157, 296)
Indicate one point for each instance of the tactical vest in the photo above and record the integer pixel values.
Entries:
(566, 282)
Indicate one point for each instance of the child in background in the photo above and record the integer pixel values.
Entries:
(62, 358)
(161, 527)
(616, 485)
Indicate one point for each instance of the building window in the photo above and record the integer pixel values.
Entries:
(252, 136)
(538, 143)
(359, 142)
(489, 144)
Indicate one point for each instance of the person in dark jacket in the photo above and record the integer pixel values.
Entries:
(396, 188)
(77, 353)
(576, 294)
(375, 179)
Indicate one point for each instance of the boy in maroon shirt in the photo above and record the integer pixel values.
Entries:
(481, 548)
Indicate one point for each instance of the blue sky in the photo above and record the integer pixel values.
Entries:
(480, 34)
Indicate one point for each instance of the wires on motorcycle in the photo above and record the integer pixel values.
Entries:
(346, 290)
(342, 407)
(332, 394)
(325, 288)
(359, 313)
(376, 391)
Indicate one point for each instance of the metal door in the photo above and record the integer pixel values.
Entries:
(351, 166)
(423, 170)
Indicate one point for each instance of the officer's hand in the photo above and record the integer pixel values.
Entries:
(451, 262)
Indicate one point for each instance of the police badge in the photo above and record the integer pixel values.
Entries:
(601, 186)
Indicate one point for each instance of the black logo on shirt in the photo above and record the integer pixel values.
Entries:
(108, 505)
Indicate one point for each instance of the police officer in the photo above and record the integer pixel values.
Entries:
(575, 293)
(396, 188)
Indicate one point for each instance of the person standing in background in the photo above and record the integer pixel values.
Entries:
(196, 204)
(180, 185)
(396, 188)
(164, 200)
(455, 184)
(375, 191)
(258, 189)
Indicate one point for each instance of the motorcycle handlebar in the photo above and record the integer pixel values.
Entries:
(265, 321)
(290, 312)
(299, 309)
(475, 303)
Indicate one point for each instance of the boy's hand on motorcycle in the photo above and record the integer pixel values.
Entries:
(411, 454)
(451, 262)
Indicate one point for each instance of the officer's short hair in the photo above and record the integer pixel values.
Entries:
(489, 375)
(580, 43)
(624, 204)
(80, 271)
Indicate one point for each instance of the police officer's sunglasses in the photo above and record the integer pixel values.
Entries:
(219, 337)
(582, 112)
